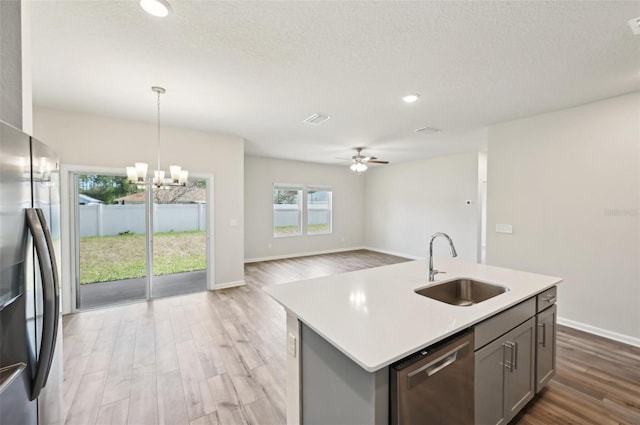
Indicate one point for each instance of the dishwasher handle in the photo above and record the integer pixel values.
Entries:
(438, 364)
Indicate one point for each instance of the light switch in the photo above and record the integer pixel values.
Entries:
(504, 228)
(291, 344)
(233, 222)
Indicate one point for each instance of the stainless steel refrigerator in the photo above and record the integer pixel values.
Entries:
(30, 305)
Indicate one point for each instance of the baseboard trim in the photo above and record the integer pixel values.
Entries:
(302, 254)
(397, 254)
(625, 339)
(228, 284)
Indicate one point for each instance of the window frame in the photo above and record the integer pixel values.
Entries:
(319, 188)
(301, 201)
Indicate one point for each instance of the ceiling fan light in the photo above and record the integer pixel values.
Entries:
(358, 167)
(158, 8)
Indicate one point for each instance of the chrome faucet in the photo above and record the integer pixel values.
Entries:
(432, 272)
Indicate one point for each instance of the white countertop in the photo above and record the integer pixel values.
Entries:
(374, 316)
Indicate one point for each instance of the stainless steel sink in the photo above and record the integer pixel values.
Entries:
(462, 292)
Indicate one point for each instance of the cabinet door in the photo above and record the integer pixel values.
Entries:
(490, 384)
(545, 347)
(520, 382)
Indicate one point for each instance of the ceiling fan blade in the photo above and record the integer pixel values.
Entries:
(378, 162)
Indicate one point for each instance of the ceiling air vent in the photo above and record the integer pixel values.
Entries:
(428, 130)
(316, 119)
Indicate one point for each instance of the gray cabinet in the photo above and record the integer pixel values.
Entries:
(520, 376)
(545, 347)
(504, 375)
(490, 403)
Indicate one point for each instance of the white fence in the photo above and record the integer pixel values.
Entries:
(107, 220)
(289, 214)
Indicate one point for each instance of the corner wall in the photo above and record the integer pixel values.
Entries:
(348, 207)
(406, 203)
(568, 182)
(83, 139)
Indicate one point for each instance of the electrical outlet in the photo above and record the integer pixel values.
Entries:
(504, 228)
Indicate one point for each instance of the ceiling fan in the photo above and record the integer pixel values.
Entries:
(360, 161)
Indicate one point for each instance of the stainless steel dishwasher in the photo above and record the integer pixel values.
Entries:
(435, 385)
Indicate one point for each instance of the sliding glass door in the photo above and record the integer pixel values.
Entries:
(179, 239)
(135, 243)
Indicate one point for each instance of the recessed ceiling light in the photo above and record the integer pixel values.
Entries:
(159, 8)
(316, 119)
(410, 98)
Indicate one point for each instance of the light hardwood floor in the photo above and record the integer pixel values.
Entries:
(219, 358)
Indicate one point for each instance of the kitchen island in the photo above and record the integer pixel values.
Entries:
(351, 327)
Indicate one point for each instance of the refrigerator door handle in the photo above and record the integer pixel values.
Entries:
(56, 288)
(49, 309)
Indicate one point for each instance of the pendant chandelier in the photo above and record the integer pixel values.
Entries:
(138, 173)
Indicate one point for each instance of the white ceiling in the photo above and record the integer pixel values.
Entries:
(257, 69)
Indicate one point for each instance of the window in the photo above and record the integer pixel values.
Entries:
(318, 210)
(287, 210)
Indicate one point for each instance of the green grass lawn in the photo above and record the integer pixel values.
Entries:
(294, 230)
(107, 258)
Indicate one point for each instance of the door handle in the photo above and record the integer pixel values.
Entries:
(56, 287)
(438, 364)
(512, 363)
(544, 332)
(507, 363)
(442, 364)
(50, 309)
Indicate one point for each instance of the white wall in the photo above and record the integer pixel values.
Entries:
(11, 63)
(27, 84)
(406, 203)
(348, 204)
(568, 183)
(82, 139)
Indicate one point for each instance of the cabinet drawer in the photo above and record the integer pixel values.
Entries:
(498, 325)
(546, 299)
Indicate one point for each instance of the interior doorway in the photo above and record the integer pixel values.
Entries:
(137, 242)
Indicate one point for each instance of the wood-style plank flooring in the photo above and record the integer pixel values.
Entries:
(597, 382)
(219, 358)
(204, 358)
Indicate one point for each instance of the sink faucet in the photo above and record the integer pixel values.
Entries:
(433, 272)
